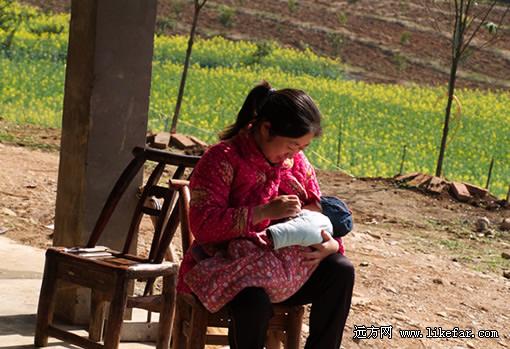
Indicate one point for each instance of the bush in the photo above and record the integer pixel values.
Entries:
(226, 16)
(405, 38)
(164, 25)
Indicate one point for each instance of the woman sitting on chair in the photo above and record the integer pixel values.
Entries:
(255, 176)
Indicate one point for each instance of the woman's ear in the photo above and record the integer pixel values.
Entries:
(265, 130)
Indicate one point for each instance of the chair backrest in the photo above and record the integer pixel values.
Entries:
(168, 215)
(186, 235)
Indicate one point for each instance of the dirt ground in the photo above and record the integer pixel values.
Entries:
(419, 262)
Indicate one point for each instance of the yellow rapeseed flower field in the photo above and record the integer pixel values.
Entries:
(366, 126)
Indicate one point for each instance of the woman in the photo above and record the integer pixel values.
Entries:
(256, 175)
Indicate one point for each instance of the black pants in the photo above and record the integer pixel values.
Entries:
(329, 290)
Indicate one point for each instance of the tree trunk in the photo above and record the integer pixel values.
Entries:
(451, 90)
(173, 128)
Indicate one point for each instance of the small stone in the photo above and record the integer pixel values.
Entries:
(390, 289)
(360, 301)
(401, 317)
(437, 281)
(505, 224)
(374, 235)
(442, 314)
(363, 264)
(9, 212)
(371, 221)
(505, 255)
(490, 234)
(3, 230)
(506, 274)
(482, 224)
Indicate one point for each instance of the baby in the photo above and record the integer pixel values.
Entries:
(305, 229)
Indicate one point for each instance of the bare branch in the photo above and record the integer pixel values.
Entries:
(496, 37)
(201, 4)
(435, 20)
(477, 29)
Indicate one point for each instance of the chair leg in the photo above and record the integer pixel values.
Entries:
(293, 335)
(97, 315)
(46, 304)
(166, 316)
(178, 337)
(198, 328)
(273, 339)
(116, 314)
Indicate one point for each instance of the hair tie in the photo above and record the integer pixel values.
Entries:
(271, 91)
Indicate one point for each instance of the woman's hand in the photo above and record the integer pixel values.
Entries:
(320, 251)
(282, 206)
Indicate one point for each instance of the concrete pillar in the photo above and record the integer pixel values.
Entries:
(106, 104)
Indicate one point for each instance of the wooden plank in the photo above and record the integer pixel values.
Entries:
(92, 278)
(217, 339)
(151, 303)
(98, 305)
(167, 157)
(73, 338)
(46, 305)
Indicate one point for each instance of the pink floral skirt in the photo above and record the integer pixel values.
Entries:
(218, 279)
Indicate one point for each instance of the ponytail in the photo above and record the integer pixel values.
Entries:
(291, 113)
(249, 111)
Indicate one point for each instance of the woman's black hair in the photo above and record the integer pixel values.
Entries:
(291, 113)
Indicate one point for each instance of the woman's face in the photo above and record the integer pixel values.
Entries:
(278, 148)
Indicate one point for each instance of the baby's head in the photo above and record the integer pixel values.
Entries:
(339, 215)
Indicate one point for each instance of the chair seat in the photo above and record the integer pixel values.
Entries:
(96, 270)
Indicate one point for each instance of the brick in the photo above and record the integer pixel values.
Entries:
(460, 191)
(476, 191)
(199, 142)
(406, 177)
(161, 140)
(419, 181)
(437, 185)
(181, 141)
(149, 137)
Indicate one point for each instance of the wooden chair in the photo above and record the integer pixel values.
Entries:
(192, 319)
(110, 273)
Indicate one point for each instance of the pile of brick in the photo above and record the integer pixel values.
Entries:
(190, 145)
(464, 192)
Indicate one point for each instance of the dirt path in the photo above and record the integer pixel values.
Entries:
(419, 263)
